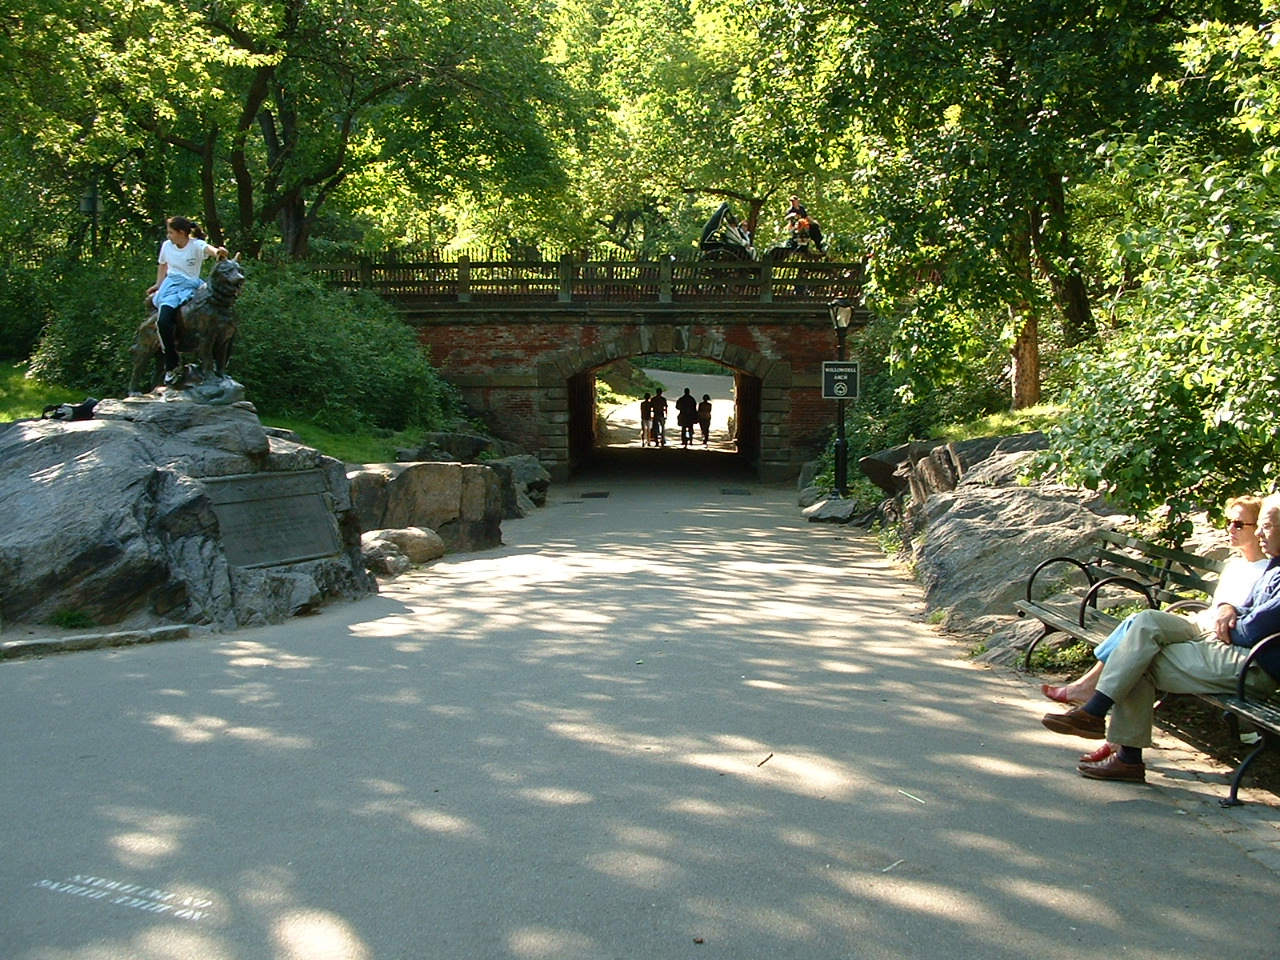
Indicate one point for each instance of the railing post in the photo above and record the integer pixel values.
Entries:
(766, 279)
(464, 279)
(565, 294)
(664, 279)
(366, 273)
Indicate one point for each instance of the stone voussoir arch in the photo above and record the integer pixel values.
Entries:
(770, 400)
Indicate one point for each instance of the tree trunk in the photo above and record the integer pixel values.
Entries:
(754, 206)
(295, 227)
(1058, 259)
(1026, 357)
(208, 191)
(1078, 324)
(1025, 379)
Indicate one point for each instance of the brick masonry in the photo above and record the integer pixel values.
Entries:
(520, 366)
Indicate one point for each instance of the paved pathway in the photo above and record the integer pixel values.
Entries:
(673, 721)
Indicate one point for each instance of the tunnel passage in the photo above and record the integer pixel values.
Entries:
(761, 439)
(589, 435)
(762, 393)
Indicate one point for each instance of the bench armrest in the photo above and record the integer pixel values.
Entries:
(1091, 598)
(1084, 568)
(1187, 606)
(1258, 647)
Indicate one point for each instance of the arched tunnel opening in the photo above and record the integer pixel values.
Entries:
(605, 431)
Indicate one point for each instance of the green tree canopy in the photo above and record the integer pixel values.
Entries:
(967, 128)
(255, 115)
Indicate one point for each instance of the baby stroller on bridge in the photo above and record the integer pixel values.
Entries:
(723, 238)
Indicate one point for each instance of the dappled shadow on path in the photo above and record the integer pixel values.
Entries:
(629, 728)
(717, 463)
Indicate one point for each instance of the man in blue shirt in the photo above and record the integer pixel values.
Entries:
(1163, 651)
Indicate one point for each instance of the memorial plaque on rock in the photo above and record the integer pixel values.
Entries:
(269, 519)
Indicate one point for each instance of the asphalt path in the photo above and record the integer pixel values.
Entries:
(667, 719)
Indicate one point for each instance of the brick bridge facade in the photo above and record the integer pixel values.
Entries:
(522, 340)
(532, 373)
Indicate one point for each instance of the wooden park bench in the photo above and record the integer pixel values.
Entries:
(1123, 570)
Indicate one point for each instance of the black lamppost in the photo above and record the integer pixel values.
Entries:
(91, 207)
(841, 316)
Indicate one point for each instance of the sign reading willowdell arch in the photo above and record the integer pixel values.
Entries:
(521, 340)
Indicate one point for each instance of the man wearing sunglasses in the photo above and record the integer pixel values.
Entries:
(1163, 651)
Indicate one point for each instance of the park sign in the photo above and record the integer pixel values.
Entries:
(840, 380)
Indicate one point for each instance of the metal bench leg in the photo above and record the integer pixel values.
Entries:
(1026, 658)
(1231, 800)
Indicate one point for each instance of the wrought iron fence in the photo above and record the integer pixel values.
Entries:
(570, 279)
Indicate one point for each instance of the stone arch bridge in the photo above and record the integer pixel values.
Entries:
(522, 340)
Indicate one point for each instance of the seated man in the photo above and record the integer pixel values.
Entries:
(1163, 651)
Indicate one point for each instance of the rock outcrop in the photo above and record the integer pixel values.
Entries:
(524, 484)
(977, 543)
(125, 518)
(392, 552)
(457, 445)
(461, 502)
(974, 528)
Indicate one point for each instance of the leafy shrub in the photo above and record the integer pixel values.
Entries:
(70, 618)
(1179, 411)
(678, 363)
(93, 312)
(1171, 420)
(23, 312)
(338, 358)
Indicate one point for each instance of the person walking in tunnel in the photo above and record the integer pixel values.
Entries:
(704, 417)
(658, 407)
(686, 416)
(646, 420)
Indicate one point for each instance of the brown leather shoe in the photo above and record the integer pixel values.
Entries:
(1113, 768)
(1077, 723)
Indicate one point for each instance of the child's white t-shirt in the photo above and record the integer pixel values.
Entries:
(185, 260)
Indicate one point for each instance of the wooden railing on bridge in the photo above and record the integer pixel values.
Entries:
(567, 281)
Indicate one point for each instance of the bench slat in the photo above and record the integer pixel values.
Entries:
(1265, 713)
(1192, 560)
(1064, 617)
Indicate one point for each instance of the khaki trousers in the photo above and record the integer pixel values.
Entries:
(1166, 652)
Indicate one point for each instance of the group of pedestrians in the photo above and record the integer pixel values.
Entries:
(689, 413)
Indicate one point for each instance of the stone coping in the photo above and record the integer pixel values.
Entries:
(43, 646)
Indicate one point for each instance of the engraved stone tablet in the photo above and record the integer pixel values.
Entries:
(274, 518)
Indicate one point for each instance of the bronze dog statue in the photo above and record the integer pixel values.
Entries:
(206, 328)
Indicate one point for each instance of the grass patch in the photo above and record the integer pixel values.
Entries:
(1073, 658)
(890, 539)
(1039, 417)
(350, 446)
(22, 398)
(70, 619)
